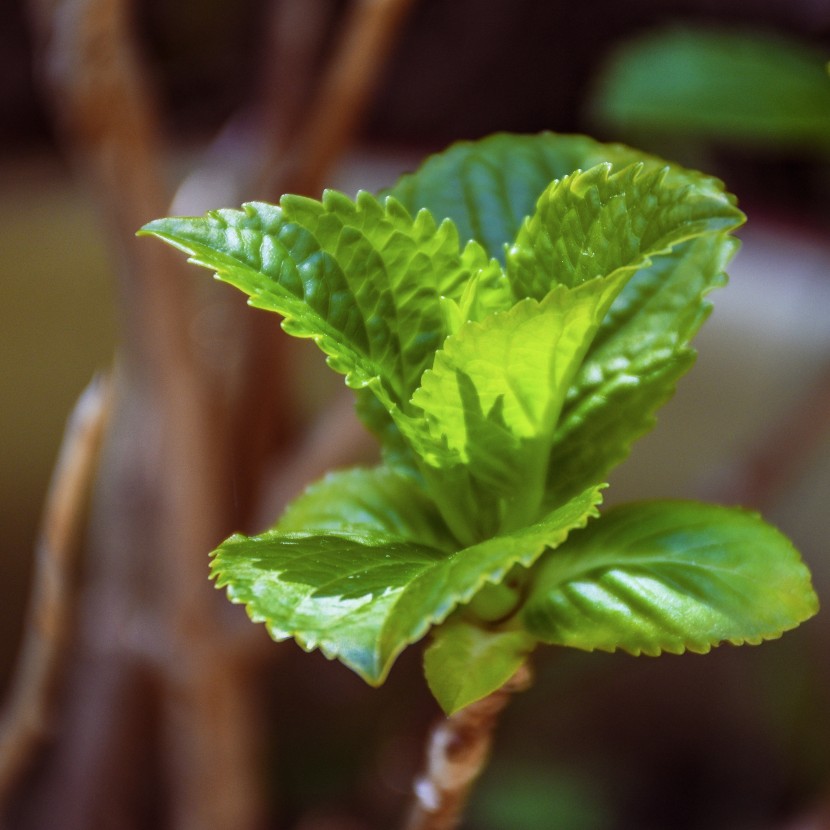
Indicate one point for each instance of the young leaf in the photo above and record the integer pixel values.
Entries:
(597, 222)
(465, 662)
(493, 397)
(502, 395)
(361, 596)
(669, 576)
(489, 187)
(360, 278)
(258, 252)
(396, 268)
(358, 499)
(634, 362)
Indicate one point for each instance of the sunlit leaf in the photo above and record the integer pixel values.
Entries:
(669, 576)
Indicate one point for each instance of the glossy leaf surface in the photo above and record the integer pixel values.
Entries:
(488, 187)
(511, 317)
(363, 595)
(669, 576)
(634, 362)
(600, 222)
(360, 278)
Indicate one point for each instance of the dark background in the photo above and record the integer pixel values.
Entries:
(738, 738)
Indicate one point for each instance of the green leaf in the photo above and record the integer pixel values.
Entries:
(634, 363)
(488, 187)
(377, 499)
(259, 253)
(362, 595)
(363, 279)
(753, 89)
(598, 222)
(396, 269)
(492, 399)
(502, 395)
(669, 576)
(465, 662)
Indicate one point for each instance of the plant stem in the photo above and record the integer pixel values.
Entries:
(26, 718)
(458, 750)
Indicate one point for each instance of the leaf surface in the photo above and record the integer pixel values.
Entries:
(493, 397)
(362, 595)
(669, 576)
(363, 279)
(465, 662)
(751, 89)
(600, 221)
(489, 187)
(376, 499)
(634, 362)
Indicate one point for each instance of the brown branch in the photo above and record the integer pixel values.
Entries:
(155, 639)
(458, 751)
(165, 496)
(295, 34)
(256, 404)
(106, 112)
(349, 81)
(90, 66)
(26, 719)
(238, 162)
(299, 162)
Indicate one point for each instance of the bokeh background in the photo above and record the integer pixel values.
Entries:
(737, 739)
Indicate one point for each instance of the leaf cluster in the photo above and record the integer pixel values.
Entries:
(510, 316)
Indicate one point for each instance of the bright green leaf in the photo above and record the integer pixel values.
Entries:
(489, 187)
(465, 662)
(493, 397)
(634, 363)
(396, 268)
(501, 395)
(361, 596)
(360, 499)
(598, 222)
(281, 270)
(669, 576)
(363, 279)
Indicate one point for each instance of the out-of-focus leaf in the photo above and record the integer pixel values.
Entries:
(755, 89)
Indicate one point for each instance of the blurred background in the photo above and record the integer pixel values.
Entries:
(737, 739)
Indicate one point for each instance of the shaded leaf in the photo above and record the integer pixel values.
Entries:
(465, 662)
(368, 499)
(489, 187)
(752, 88)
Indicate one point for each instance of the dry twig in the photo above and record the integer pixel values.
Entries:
(26, 718)
(156, 645)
